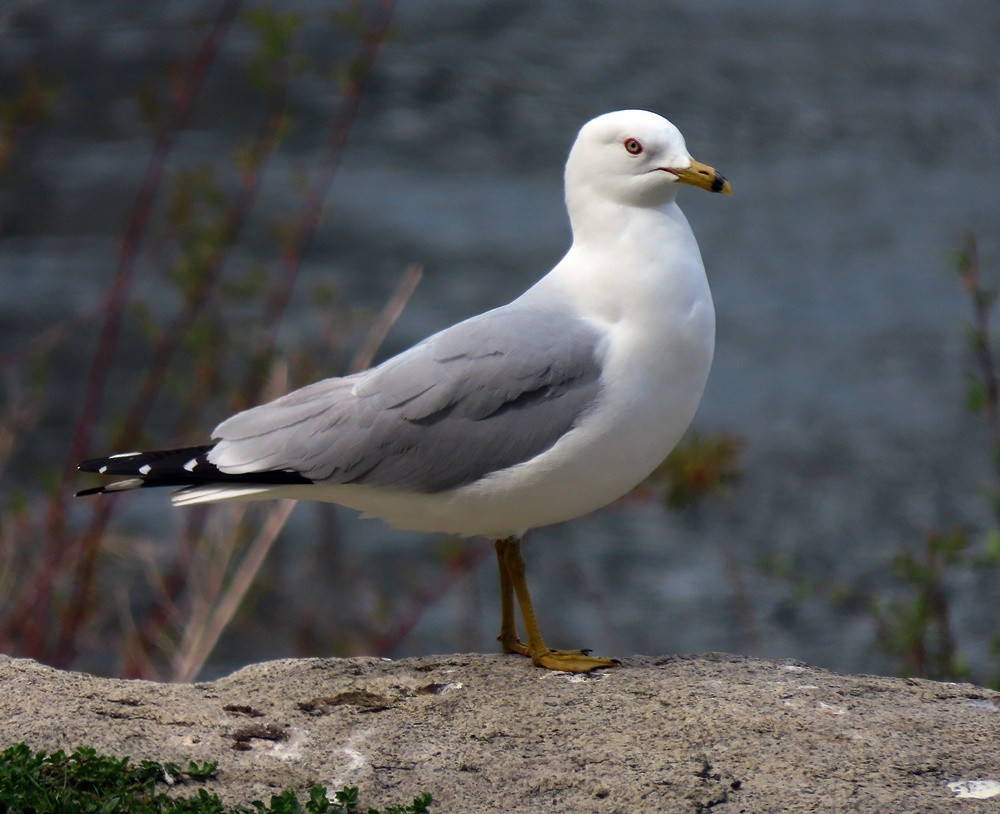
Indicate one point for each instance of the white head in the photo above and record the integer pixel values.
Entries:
(634, 158)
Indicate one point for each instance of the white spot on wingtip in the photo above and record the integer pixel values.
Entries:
(145, 469)
(102, 470)
(190, 465)
(125, 455)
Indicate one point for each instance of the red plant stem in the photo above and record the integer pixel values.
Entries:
(236, 218)
(386, 318)
(29, 619)
(163, 354)
(29, 610)
(309, 217)
(982, 304)
(135, 662)
(51, 336)
(30, 108)
(135, 231)
(468, 558)
(308, 223)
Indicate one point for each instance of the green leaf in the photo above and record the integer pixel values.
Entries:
(976, 397)
(351, 19)
(85, 781)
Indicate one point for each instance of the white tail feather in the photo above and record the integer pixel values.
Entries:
(218, 493)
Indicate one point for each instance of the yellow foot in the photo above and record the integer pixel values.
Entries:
(514, 646)
(568, 661)
(571, 661)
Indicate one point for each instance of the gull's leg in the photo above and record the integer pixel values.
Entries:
(570, 661)
(508, 638)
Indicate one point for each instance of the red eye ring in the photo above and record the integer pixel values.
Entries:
(633, 146)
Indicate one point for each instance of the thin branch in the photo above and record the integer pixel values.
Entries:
(468, 558)
(89, 546)
(200, 643)
(135, 231)
(51, 336)
(982, 304)
(312, 210)
(208, 582)
(235, 220)
(29, 610)
(167, 588)
(387, 317)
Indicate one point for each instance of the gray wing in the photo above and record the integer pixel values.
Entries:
(484, 395)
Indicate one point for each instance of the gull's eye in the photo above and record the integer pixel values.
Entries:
(633, 146)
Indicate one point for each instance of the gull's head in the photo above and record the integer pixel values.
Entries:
(635, 158)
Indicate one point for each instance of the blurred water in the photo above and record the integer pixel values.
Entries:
(863, 142)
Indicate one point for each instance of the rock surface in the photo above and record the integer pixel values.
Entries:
(492, 733)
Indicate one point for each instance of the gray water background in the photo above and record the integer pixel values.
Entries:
(863, 142)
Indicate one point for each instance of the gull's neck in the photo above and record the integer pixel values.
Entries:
(598, 219)
(637, 262)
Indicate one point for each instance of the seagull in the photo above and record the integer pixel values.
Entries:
(533, 413)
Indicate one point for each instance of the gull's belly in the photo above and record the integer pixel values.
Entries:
(646, 404)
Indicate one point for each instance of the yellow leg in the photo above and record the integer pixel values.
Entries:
(513, 583)
(508, 638)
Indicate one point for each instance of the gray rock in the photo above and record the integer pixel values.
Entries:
(492, 733)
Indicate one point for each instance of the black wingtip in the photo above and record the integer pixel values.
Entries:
(186, 466)
(92, 464)
(95, 490)
(125, 485)
(120, 464)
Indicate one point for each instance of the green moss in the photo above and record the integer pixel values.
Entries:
(88, 783)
